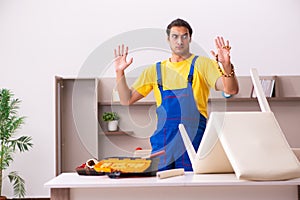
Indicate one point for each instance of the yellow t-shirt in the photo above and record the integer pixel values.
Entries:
(174, 76)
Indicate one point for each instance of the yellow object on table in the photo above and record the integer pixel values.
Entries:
(125, 165)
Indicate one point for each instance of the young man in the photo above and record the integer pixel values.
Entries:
(181, 87)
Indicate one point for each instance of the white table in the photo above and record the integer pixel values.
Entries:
(68, 186)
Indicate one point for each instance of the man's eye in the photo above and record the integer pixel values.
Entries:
(174, 36)
(184, 37)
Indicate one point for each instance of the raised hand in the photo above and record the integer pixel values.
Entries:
(120, 58)
(223, 51)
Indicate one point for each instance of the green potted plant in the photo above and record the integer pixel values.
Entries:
(10, 122)
(113, 119)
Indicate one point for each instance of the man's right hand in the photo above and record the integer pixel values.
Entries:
(120, 59)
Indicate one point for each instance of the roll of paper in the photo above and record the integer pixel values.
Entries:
(170, 173)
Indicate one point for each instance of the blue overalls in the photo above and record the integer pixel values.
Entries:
(178, 106)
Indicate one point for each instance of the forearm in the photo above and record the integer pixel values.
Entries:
(123, 89)
(230, 85)
(229, 80)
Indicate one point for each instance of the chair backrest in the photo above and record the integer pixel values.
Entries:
(210, 157)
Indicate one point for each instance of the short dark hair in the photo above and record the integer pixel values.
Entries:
(179, 22)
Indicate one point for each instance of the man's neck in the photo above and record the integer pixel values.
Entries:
(178, 58)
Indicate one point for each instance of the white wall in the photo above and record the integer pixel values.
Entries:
(43, 38)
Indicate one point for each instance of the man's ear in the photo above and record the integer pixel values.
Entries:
(168, 38)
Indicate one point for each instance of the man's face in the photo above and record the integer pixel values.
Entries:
(179, 40)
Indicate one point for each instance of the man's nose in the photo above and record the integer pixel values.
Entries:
(179, 40)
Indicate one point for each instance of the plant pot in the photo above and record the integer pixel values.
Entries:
(113, 125)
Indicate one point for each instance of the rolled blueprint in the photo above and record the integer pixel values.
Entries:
(170, 173)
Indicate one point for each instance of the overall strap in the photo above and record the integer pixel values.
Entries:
(190, 76)
(158, 71)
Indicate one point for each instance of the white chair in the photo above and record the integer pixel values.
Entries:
(250, 144)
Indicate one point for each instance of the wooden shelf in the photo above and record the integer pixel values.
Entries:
(232, 99)
(140, 103)
(117, 133)
(248, 99)
(92, 96)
